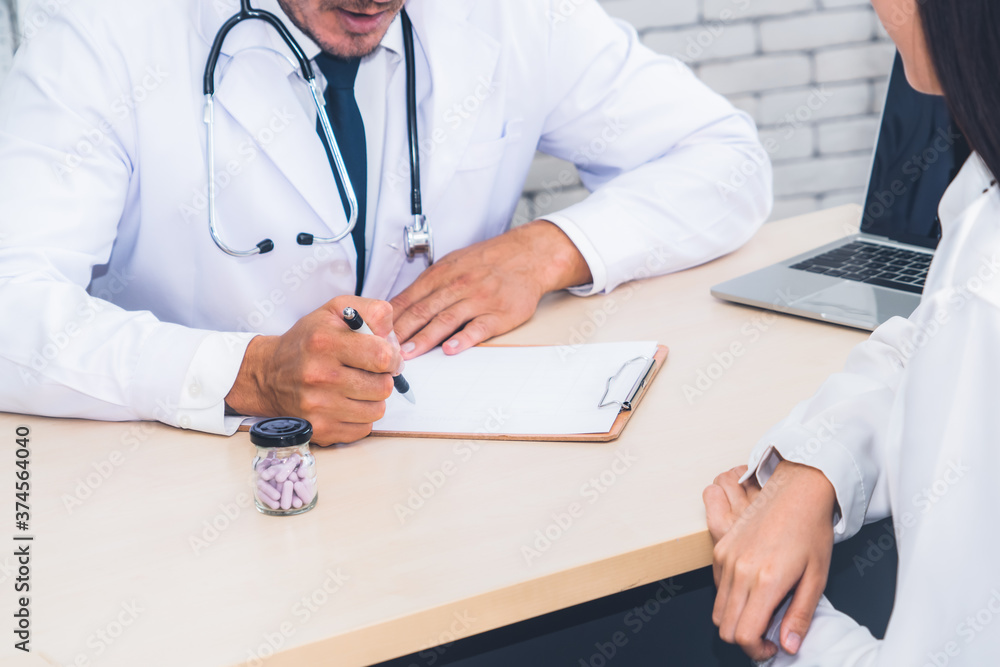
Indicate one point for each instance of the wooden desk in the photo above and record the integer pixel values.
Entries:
(170, 542)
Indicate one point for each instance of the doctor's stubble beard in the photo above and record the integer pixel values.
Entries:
(321, 21)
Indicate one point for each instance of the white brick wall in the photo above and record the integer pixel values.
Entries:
(810, 72)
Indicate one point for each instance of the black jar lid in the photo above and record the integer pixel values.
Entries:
(281, 432)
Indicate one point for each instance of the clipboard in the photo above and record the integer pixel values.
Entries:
(628, 404)
(628, 401)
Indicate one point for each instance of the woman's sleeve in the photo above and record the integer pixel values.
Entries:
(839, 430)
(947, 421)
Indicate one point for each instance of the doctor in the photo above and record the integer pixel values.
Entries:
(119, 304)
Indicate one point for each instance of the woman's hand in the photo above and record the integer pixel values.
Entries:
(768, 542)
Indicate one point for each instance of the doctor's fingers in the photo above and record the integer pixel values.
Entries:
(478, 330)
(376, 314)
(440, 325)
(361, 352)
(340, 419)
(323, 383)
(339, 433)
(418, 305)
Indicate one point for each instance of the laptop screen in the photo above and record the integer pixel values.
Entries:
(919, 153)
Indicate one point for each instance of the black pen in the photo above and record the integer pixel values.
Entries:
(353, 320)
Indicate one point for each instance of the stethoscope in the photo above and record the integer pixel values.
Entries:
(417, 237)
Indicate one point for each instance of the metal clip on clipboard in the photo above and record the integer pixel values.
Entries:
(637, 386)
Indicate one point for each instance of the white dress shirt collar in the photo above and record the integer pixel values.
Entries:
(973, 180)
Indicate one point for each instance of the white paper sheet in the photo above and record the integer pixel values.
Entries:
(515, 390)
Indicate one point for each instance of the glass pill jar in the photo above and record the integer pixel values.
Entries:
(284, 470)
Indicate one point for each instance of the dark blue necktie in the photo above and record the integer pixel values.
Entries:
(349, 130)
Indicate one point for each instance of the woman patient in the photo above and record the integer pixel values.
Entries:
(916, 424)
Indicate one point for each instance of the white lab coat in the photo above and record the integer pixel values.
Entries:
(112, 287)
(910, 428)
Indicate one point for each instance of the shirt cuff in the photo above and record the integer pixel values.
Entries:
(193, 395)
(209, 379)
(598, 271)
(798, 444)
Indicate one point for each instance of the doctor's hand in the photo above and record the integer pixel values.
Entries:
(487, 289)
(322, 371)
(767, 543)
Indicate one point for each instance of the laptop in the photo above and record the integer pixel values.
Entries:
(865, 279)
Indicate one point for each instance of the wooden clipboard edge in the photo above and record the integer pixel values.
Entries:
(659, 358)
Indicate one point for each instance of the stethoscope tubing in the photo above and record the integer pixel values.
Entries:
(248, 13)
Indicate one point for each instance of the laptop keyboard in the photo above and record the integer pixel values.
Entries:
(873, 264)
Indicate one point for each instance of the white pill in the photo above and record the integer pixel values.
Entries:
(286, 495)
(263, 488)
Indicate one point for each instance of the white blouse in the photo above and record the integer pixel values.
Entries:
(911, 428)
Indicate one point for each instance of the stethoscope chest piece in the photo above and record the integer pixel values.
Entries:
(418, 239)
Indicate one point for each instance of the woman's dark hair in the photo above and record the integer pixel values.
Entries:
(964, 41)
